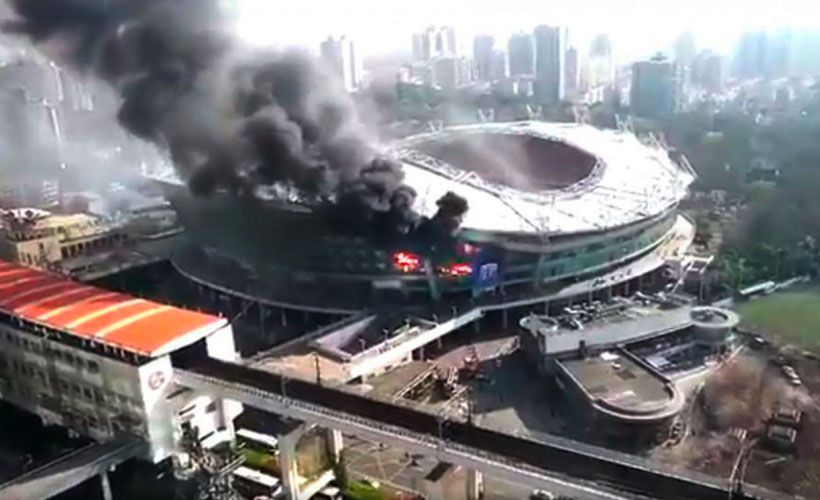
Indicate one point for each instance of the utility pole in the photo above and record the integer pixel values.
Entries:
(318, 369)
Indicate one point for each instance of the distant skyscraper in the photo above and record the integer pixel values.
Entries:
(708, 71)
(341, 56)
(521, 49)
(655, 89)
(434, 42)
(600, 46)
(465, 70)
(601, 66)
(483, 57)
(424, 44)
(446, 41)
(752, 53)
(550, 48)
(499, 69)
(446, 72)
(572, 72)
(778, 58)
(685, 48)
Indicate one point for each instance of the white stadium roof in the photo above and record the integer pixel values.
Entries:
(632, 181)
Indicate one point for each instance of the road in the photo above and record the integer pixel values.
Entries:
(395, 470)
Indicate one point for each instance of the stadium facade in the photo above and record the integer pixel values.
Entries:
(550, 206)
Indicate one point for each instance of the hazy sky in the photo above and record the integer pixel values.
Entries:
(638, 27)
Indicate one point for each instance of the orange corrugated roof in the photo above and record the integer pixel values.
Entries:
(122, 321)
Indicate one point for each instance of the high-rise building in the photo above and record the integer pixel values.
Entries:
(521, 50)
(446, 72)
(655, 91)
(752, 54)
(550, 48)
(341, 56)
(434, 42)
(601, 67)
(424, 44)
(778, 58)
(483, 56)
(465, 71)
(708, 71)
(446, 41)
(572, 72)
(601, 46)
(499, 67)
(685, 49)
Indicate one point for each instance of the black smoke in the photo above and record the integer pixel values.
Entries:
(231, 119)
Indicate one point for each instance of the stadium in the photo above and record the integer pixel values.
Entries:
(555, 209)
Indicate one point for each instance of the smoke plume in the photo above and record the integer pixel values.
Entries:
(231, 119)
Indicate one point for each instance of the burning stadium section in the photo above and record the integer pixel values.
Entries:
(549, 204)
(294, 206)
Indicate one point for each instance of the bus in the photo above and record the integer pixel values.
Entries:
(257, 440)
(253, 484)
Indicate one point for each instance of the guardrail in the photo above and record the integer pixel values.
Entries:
(442, 449)
(552, 462)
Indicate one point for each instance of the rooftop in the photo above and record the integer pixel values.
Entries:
(72, 226)
(611, 323)
(616, 384)
(630, 181)
(109, 318)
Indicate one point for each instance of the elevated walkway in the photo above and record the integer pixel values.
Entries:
(559, 465)
(71, 469)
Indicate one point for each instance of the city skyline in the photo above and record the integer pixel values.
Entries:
(382, 30)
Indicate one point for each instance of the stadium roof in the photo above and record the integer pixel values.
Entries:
(635, 181)
(136, 325)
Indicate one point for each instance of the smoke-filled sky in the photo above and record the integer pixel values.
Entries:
(230, 116)
(638, 27)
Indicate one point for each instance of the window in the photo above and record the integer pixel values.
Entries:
(89, 395)
(93, 367)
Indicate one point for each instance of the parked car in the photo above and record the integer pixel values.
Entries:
(791, 375)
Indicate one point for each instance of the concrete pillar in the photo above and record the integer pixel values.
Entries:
(225, 420)
(306, 316)
(106, 486)
(477, 325)
(546, 307)
(261, 319)
(287, 462)
(284, 318)
(420, 353)
(335, 442)
(505, 320)
(475, 485)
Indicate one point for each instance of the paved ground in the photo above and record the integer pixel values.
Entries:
(396, 470)
(517, 400)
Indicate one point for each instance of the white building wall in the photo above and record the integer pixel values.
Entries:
(100, 396)
(91, 394)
